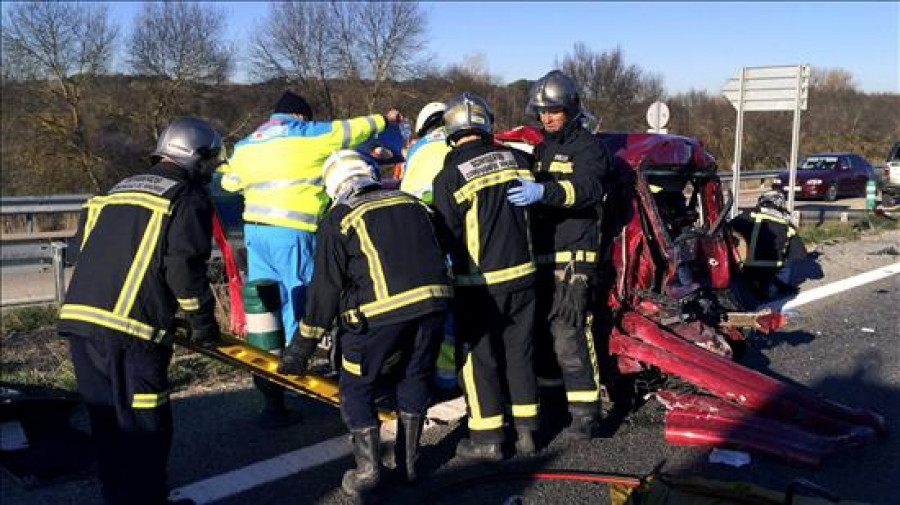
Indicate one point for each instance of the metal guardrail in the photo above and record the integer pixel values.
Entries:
(10, 205)
(53, 252)
(46, 204)
(752, 174)
(42, 204)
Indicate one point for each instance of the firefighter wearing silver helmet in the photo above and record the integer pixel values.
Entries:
(568, 196)
(490, 251)
(379, 272)
(144, 248)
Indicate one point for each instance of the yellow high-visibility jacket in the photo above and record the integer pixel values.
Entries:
(423, 162)
(278, 167)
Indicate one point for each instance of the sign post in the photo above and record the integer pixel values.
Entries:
(738, 136)
(784, 87)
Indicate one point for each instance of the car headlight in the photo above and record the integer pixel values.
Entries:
(814, 182)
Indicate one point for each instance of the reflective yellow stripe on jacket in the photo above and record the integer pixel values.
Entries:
(117, 319)
(384, 300)
(468, 191)
(400, 300)
(758, 218)
(110, 320)
(95, 205)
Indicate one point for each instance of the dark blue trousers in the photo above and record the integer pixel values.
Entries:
(124, 384)
(401, 355)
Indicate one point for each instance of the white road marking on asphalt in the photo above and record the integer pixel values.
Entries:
(240, 480)
(835, 287)
(243, 479)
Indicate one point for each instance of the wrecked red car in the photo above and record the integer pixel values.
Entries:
(664, 222)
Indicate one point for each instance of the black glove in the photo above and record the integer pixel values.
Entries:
(295, 358)
(204, 331)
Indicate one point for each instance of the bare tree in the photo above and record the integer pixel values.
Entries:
(61, 45)
(836, 116)
(176, 44)
(299, 46)
(619, 93)
(378, 42)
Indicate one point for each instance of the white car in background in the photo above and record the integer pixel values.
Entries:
(890, 180)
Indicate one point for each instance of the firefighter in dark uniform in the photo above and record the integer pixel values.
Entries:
(772, 244)
(570, 168)
(144, 248)
(380, 271)
(493, 265)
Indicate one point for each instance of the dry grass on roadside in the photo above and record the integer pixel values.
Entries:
(33, 356)
(833, 232)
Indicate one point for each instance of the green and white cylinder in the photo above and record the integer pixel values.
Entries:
(870, 195)
(262, 306)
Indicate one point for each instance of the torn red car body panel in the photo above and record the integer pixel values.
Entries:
(709, 421)
(734, 382)
(683, 338)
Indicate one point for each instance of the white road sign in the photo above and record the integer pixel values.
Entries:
(658, 116)
(769, 88)
(782, 87)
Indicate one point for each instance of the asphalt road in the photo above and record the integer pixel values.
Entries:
(844, 347)
(825, 348)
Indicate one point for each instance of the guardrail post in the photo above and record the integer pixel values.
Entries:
(59, 269)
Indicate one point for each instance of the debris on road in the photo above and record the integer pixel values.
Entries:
(887, 251)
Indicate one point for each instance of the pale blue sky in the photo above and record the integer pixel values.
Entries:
(695, 45)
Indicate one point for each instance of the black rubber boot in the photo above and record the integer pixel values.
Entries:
(274, 413)
(365, 477)
(583, 427)
(406, 448)
(469, 450)
(524, 441)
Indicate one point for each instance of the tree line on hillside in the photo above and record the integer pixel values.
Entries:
(69, 125)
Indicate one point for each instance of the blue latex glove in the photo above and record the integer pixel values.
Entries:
(526, 193)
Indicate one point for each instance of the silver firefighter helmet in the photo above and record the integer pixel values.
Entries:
(192, 144)
(772, 200)
(554, 91)
(465, 114)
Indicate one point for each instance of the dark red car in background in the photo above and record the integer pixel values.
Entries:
(829, 176)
